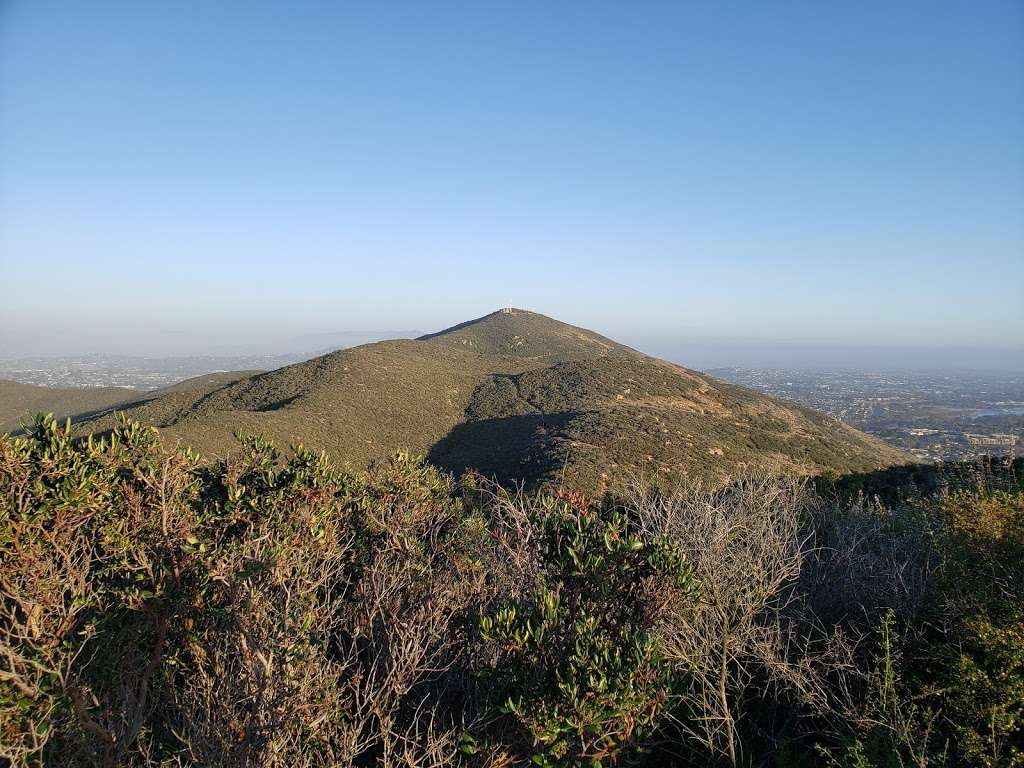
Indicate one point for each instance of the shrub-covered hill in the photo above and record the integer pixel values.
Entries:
(19, 401)
(274, 611)
(519, 333)
(586, 422)
(520, 396)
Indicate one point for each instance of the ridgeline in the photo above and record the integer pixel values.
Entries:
(515, 395)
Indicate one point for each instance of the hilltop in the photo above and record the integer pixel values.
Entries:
(516, 395)
(519, 333)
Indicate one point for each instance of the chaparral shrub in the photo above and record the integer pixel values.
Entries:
(270, 609)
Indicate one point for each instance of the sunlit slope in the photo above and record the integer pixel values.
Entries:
(358, 403)
(576, 422)
(520, 396)
(19, 401)
(527, 335)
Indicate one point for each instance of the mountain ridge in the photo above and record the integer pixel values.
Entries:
(517, 395)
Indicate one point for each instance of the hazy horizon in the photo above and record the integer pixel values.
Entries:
(694, 351)
(787, 182)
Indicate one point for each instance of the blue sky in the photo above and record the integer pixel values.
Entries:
(181, 175)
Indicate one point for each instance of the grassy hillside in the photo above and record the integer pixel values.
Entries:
(525, 334)
(19, 400)
(358, 403)
(519, 396)
(592, 422)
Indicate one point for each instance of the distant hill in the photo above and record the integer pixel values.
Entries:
(517, 395)
(19, 400)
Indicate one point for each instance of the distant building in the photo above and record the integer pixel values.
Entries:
(992, 441)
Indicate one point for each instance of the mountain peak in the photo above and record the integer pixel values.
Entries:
(521, 333)
(516, 395)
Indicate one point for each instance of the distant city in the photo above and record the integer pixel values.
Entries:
(132, 372)
(935, 417)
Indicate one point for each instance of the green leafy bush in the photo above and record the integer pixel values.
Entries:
(586, 682)
(951, 688)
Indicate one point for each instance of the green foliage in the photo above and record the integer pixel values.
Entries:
(154, 607)
(951, 692)
(271, 609)
(577, 656)
(94, 555)
(974, 669)
(982, 694)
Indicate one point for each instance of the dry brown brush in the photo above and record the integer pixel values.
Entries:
(271, 610)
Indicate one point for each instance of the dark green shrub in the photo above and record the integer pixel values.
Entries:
(577, 656)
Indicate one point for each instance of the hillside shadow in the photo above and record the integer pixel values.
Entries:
(897, 484)
(78, 417)
(509, 448)
(452, 329)
(277, 405)
(127, 407)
